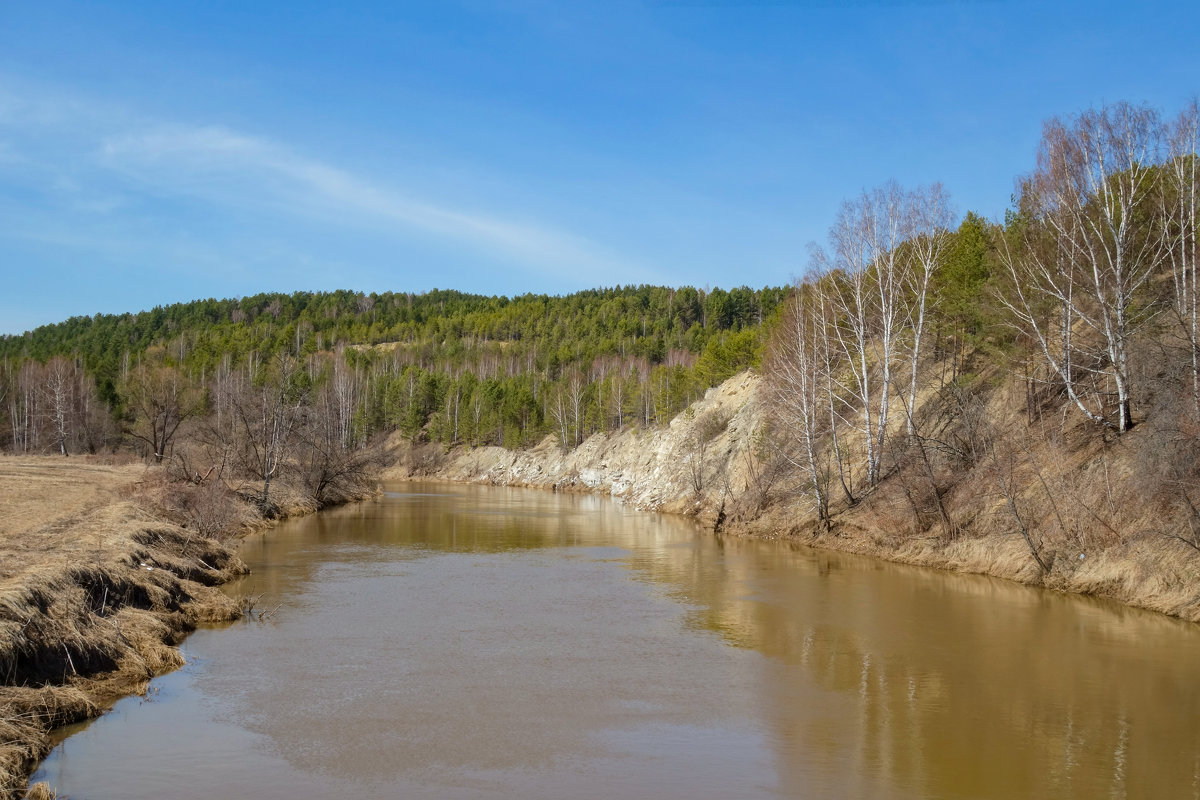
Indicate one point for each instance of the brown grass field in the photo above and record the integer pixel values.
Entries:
(46, 503)
(95, 589)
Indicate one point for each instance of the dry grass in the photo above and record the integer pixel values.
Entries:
(40, 498)
(104, 568)
(1077, 493)
(94, 592)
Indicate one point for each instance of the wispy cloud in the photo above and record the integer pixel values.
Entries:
(100, 159)
(213, 160)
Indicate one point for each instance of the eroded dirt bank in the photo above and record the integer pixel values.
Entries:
(96, 589)
(1091, 526)
(681, 468)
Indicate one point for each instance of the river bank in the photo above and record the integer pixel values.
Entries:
(416, 632)
(1080, 502)
(97, 586)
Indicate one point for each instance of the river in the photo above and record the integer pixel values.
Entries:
(470, 642)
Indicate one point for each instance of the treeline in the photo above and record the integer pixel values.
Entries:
(896, 355)
(443, 366)
(644, 321)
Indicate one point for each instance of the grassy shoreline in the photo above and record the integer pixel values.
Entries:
(97, 587)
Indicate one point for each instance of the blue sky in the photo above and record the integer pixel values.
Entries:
(153, 153)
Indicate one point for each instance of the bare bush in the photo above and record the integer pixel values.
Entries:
(705, 428)
(209, 509)
(766, 470)
(423, 458)
(333, 474)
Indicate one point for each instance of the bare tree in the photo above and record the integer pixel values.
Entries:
(6, 392)
(598, 374)
(868, 281)
(58, 388)
(1086, 252)
(267, 416)
(929, 228)
(617, 380)
(1003, 468)
(576, 386)
(558, 411)
(332, 467)
(1181, 212)
(453, 402)
(566, 408)
(27, 408)
(695, 446)
(797, 383)
(94, 427)
(159, 398)
(344, 394)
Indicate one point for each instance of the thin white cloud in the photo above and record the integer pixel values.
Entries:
(210, 161)
(100, 157)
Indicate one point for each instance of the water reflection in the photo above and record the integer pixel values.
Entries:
(455, 641)
(952, 686)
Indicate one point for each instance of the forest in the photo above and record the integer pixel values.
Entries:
(310, 382)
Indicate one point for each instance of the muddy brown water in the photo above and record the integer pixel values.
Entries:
(471, 642)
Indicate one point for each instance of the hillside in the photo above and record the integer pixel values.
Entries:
(441, 365)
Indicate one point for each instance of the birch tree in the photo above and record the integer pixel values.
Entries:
(575, 395)
(344, 401)
(26, 408)
(797, 387)
(6, 392)
(868, 315)
(929, 228)
(559, 411)
(1182, 215)
(1087, 251)
(58, 388)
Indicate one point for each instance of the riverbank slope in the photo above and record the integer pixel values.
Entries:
(1078, 499)
(97, 586)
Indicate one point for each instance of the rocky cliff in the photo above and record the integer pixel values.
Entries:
(687, 467)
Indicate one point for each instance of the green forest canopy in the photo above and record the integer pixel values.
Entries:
(410, 351)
